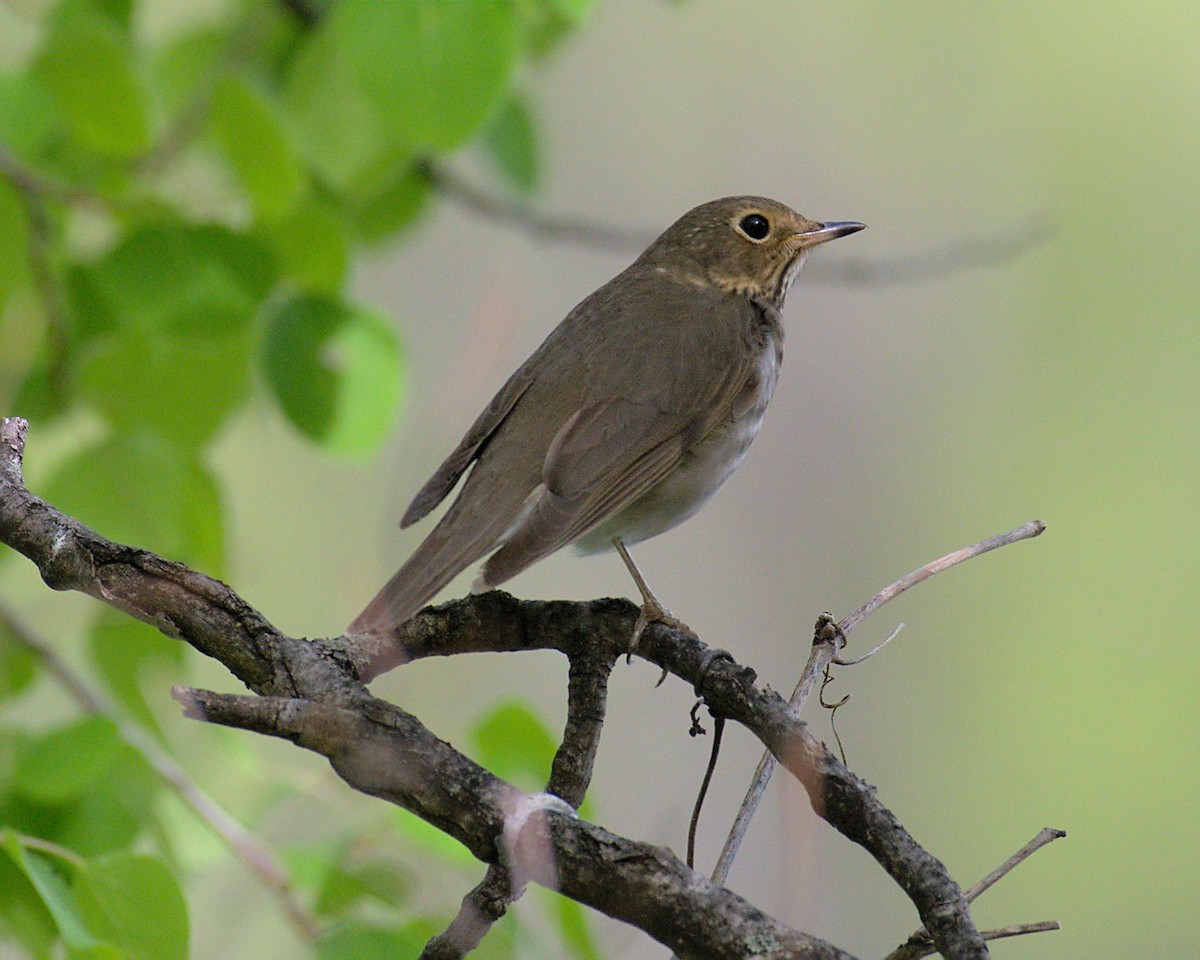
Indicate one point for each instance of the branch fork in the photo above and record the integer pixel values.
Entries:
(310, 692)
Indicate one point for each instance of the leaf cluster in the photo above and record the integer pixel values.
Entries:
(182, 196)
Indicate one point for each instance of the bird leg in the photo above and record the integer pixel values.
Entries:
(652, 609)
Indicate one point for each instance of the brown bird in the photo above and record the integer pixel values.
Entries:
(630, 415)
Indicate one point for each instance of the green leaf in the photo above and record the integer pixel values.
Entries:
(312, 248)
(183, 65)
(575, 11)
(142, 490)
(56, 895)
(366, 942)
(440, 846)
(435, 70)
(24, 919)
(87, 69)
(183, 388)
(29, 118)
(337, 128)
(257, 148)
(574, 929)
(512, 144)
(185, 279)
(67, 762)
(123, 649)
(377, 217)
(14, 253)
(347, 884)
(112, 814)
(37, 399)
(114, 12)
(337, 372)
(515, 745)
(18, 666)
(135, 902)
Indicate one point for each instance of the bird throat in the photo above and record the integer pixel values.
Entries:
(772, 287)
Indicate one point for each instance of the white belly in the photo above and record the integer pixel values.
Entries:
(702, 472)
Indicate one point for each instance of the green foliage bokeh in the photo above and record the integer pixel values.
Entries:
(181, 196)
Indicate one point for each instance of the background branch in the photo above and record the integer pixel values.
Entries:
(828, 640)
(309, 695)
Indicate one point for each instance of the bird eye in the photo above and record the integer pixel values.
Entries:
(755, 226)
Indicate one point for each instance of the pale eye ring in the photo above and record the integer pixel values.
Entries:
(754, 226)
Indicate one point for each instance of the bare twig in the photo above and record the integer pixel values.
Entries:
(243, 844)
(962, 253)
(1045, 835)
(828, 640)
(307, 691)
(955, 256)
(1033, 528)
(854, 661)
(927, 949)
(539, 226)
(919, 943)
(570, 774)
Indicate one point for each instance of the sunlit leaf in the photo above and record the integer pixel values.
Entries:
(312, 248)
(65, 763)
(336, 370)
(435, 70)
(134, 901)
(183, 388)
(145, 491)
(377, 217)
(29, 116)
(14, 259)
(337, 127)
(24, 919)
(574, 929)
(354, 941)
(185, 279)
(257, 148)
(515, 745)
(122, 649)
(57, 897)
(88, 70)
(118, 808)
(512, 144)
(18, 667)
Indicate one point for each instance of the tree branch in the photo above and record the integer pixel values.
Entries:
(310, 694)
(828, 640)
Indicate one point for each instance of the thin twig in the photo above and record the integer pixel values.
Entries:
(925, 948)
(955, 256)
(1031, 529)
(570, 775)
(243, 844)
(919, 944)
(828, 640)
(537, 225)
(1045, 835)
(854, 661)
(960, 254)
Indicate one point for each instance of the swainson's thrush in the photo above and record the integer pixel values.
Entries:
(630, 415)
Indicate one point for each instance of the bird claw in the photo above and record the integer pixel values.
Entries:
(653, 612)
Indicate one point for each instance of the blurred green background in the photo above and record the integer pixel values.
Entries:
(920, 408)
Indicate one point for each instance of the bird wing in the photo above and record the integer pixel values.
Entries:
(487, 423)
(615, 449)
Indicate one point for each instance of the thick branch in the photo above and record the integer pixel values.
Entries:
(383, 751)
(571, 773)
(313, 699)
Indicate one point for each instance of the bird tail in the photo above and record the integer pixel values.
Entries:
(453, 545)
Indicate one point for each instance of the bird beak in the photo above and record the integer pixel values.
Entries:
(828, 231)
